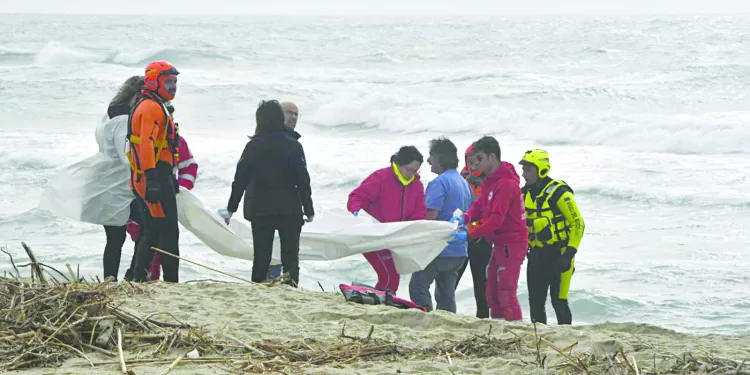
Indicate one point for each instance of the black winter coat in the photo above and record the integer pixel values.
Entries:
(272, 175)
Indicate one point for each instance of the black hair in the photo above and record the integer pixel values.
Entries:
(269, 118)
(120, 104)
(446, 151)
(488, 145)
(406, 155)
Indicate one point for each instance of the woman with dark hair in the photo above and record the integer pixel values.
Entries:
(272, 175)
(97, 189)
(110, 135)
(393, 193)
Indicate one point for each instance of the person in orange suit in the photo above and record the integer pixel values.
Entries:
(153, 155)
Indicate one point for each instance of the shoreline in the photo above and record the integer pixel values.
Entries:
(271, 329)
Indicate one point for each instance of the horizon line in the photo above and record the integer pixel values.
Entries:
(484, 15)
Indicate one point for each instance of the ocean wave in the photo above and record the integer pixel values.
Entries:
(380, 57)
(632, 328)
(468, 77)
(574, 93)
(660, 197)
(55, 53)
(174, 55)
(399, 110)
(12, 161)
(7, 51)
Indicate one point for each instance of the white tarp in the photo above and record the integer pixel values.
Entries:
(334, 234)
(94, 190)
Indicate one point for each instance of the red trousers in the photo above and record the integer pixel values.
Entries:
(502, 280)
(382, 262)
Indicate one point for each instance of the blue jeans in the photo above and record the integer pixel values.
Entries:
(442, 270)
(274, 271)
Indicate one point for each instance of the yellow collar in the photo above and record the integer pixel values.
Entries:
(401, 178)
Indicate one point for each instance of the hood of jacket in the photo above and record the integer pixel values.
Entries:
(506, 171)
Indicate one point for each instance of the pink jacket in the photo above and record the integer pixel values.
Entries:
(386, 199)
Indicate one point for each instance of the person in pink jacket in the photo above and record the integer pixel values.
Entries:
(187, 172)
(394, 193)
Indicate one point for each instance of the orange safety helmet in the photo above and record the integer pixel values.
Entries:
(156, 74)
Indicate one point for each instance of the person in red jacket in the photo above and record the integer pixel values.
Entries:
(394, 193)
(502, 209)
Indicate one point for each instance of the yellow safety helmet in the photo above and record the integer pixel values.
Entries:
(538, 158)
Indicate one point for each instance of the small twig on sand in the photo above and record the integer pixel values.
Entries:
(635, 365)
(73, 277)
(207, 280)
(176, 361)
(12, 263)
(123, 367)
(35, 269)
(627, 362)
(201, 265)
(248, 347)
(47, 266)
(538, 342)
(163, 324)
(576, 362)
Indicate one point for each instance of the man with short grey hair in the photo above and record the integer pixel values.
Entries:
(291, 114)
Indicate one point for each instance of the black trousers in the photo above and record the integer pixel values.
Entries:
(264, 229)
(113, 250)
(116, 236)
(163, 233)
(135, 215)
(543, 276)
(480, 253)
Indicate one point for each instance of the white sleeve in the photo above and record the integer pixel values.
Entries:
(120, 133)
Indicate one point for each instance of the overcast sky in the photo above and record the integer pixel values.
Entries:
(378, 7)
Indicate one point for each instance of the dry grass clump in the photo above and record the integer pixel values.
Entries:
(46, 320)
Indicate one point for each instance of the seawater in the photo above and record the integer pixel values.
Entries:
(645, 117)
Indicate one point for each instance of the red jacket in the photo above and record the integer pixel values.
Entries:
(187, 168)
(501, 206)
(386, 199)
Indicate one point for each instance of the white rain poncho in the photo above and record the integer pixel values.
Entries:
(97, 189)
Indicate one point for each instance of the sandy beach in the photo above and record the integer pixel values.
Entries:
(258, 316)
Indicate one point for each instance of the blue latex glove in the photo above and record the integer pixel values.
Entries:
(457, 219)
(224, 213)
(458, 237)
(355, 213)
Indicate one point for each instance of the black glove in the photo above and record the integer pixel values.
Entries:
(153, 187)
(563, 264)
